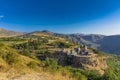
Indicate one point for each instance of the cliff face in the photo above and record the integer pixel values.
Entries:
(92, 62)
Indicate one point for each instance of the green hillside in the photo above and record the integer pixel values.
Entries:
(36, 53)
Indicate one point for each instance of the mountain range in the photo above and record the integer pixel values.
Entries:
(110, 44)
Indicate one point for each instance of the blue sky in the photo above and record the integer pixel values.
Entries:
(63, 16)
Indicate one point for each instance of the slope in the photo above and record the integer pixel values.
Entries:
(9, 33)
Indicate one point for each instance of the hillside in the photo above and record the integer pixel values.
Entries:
(43, 55)
(9, 33)
(16, 66)
(110, 44)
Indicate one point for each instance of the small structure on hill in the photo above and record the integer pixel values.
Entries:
(81, 51)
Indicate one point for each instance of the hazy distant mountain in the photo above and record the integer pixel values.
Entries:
(110, 44)
(9, 33)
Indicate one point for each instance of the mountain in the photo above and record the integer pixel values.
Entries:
(104, 43)
(9, 33)
(110, 44)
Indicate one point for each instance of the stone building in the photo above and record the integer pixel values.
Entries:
(76, 51)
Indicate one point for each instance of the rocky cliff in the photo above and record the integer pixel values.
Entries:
(92, 62)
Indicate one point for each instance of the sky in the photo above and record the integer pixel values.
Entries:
(62, 16)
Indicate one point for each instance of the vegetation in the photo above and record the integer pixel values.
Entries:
(32, 65)
(79, 74)
(12, 39)
(112, 73)
(9, 55)
(23, 53)
(49, 65)
(62, 44)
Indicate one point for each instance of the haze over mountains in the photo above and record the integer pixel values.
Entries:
(110, 44)
(104, 43)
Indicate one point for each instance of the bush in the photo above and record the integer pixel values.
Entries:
(42, 51)
(51, 63)
(32, 65)
(62, 44)
(12, 58)
(94, 75)
(113, 72)
(26, 53)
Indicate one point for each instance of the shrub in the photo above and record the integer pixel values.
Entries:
(113, 72)
(32, 65)
(26, 53)
(51, 64)
(12, 58)
(94, 75)
(62, 44)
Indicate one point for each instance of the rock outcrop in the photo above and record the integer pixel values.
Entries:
(87, 62)
(90, 63)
